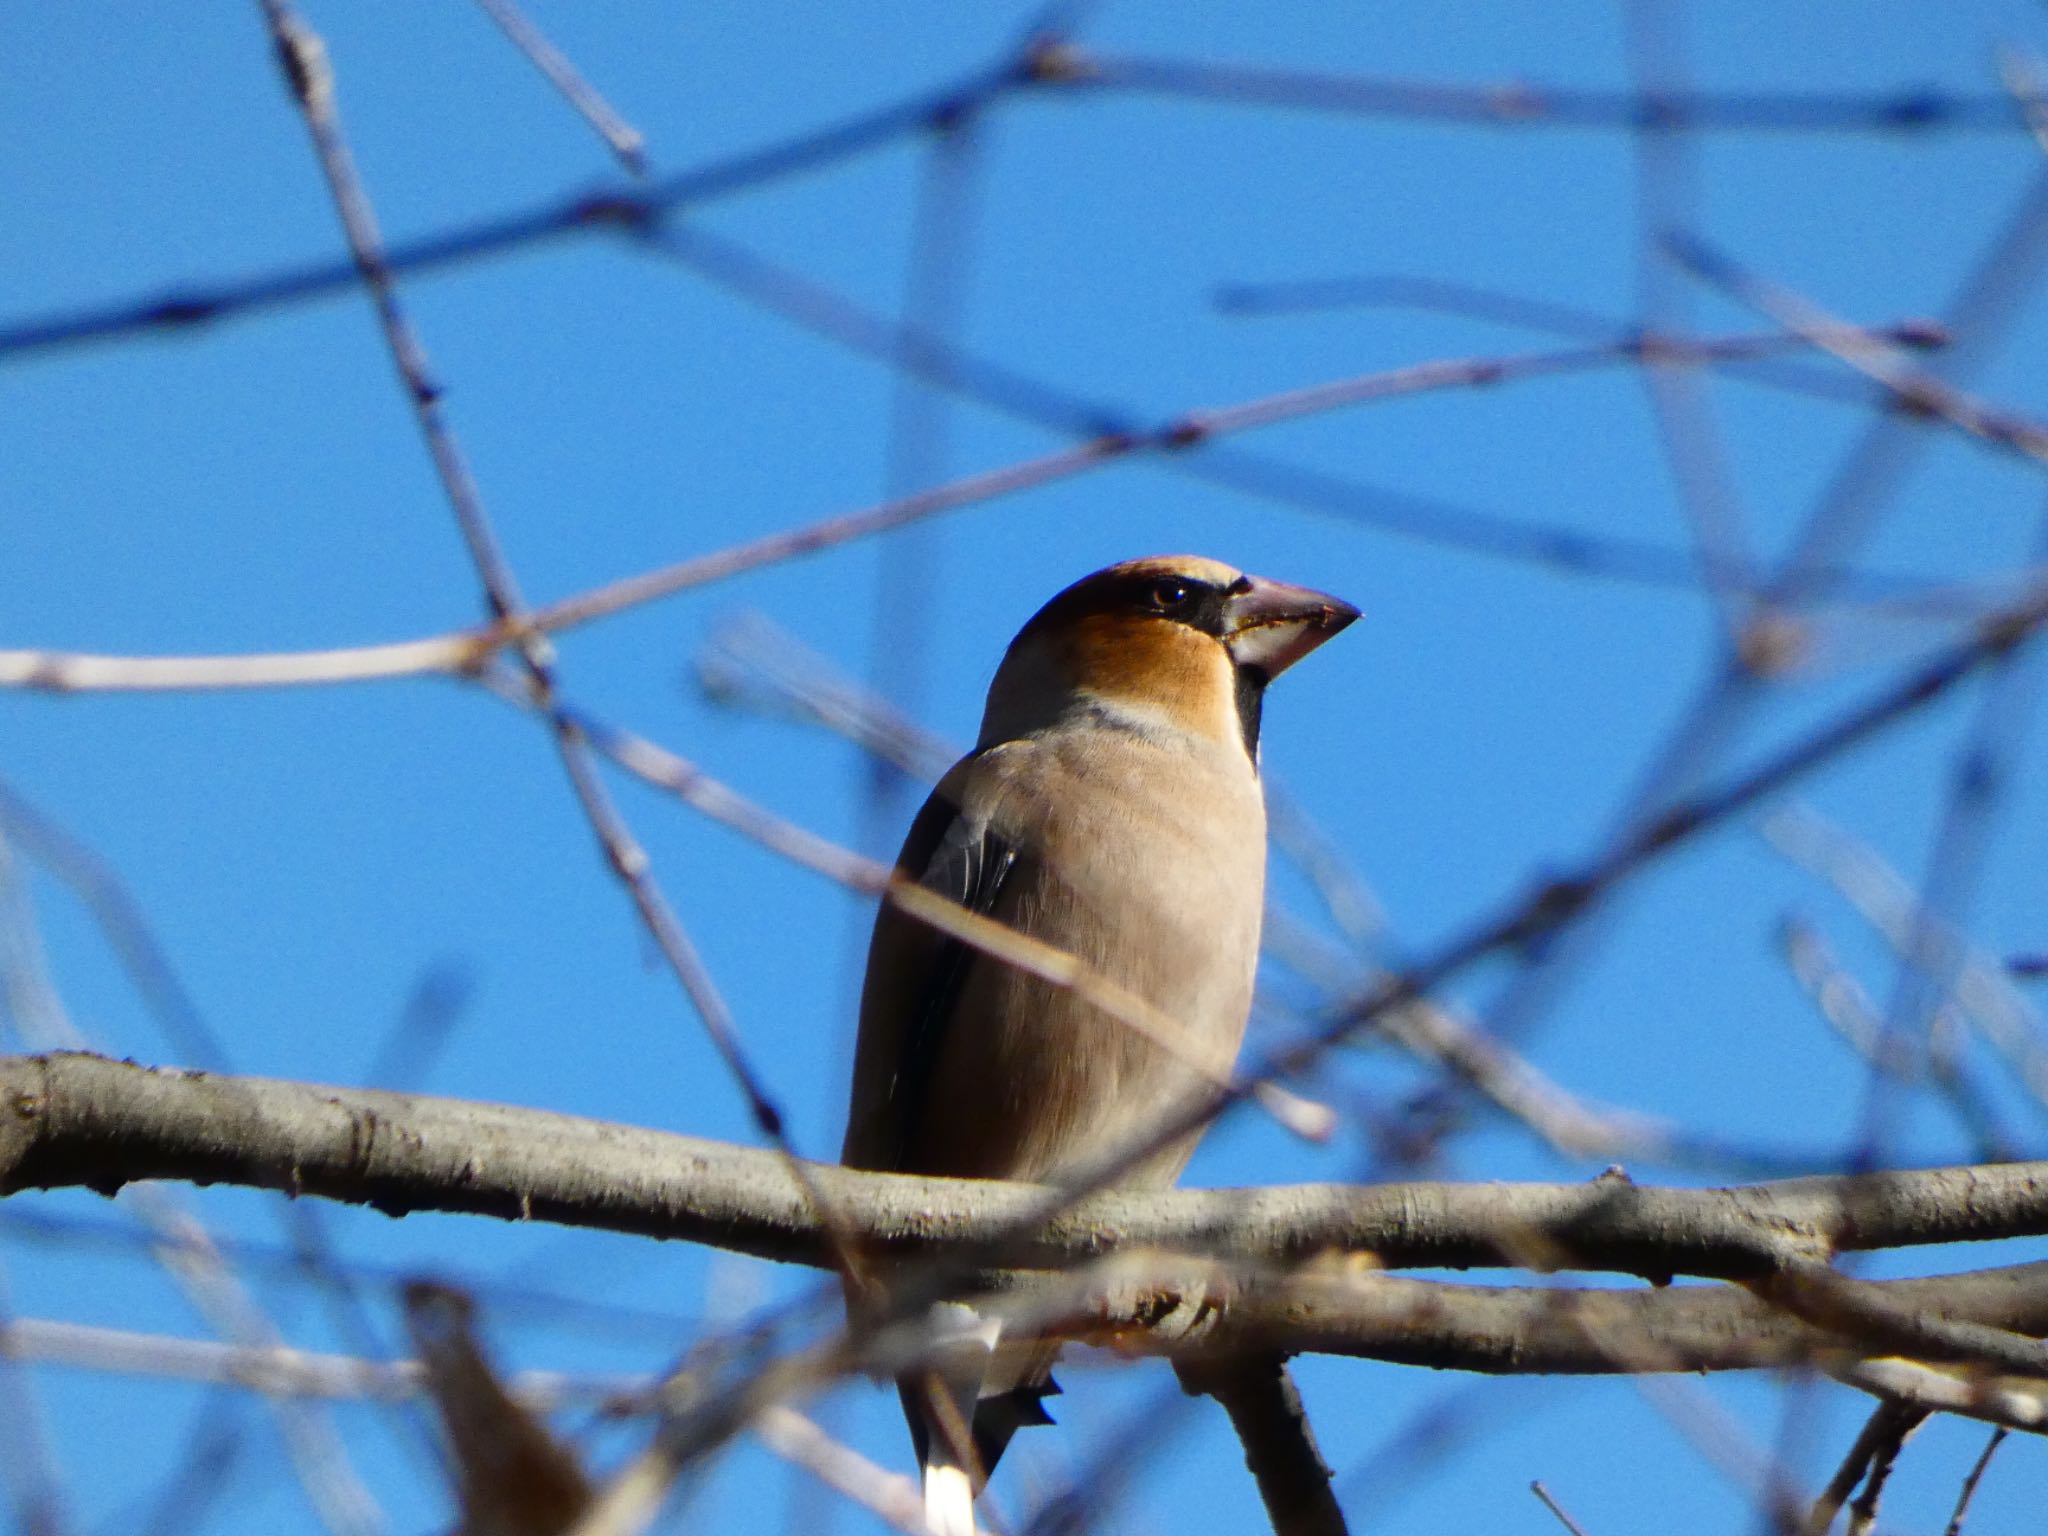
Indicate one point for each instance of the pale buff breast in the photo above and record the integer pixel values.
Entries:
(1160, 888)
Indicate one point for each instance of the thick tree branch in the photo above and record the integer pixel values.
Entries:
(1529, 1330)
(1194, 1274)
(71, 1120)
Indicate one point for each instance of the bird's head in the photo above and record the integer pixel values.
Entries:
(1171, 642)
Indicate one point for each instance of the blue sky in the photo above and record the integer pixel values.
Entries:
(307, 858)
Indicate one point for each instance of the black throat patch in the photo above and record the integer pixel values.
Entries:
(1251, 701)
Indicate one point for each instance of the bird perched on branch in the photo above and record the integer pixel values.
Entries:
(1111, 808)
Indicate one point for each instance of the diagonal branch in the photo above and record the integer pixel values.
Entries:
(1280, 1449)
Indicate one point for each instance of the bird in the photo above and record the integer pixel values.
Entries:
(1112, 808)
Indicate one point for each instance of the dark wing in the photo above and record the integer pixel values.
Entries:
(914, 982)
(915, 975)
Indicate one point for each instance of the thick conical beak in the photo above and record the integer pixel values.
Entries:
(1270, 625)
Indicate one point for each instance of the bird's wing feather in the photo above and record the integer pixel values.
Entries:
(915, 974)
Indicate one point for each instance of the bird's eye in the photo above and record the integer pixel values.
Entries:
(1169, 594)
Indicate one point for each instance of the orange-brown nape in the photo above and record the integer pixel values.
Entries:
(1146, 636)
(1144, 660)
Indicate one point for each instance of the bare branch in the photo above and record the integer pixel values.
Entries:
(1875, 1448)
(621, 137)
(1557, 1509)
(276, 1370)
(304, 59)
(1518, 105)
(512, 1476)
(1884, 899)
(1976, 1475)
(1279, 1447)
(2010, 1402)
(74, 1120)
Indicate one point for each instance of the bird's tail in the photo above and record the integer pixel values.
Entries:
(941, 1401)
(948, 1500)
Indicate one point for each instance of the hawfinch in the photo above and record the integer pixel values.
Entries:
(1111, 808)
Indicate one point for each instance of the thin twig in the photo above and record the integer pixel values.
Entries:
(1056, 967)
(917, 449)
(1975, 1476)
(2020, 73)
(1841, 1001)
(178, 1241)
(1912, 391)
(1978, 786)
(751, 663)
(798, 1440)
(464, 651)
(1522, 106)
(1884, 900)
(1863, 1511)
(819, 309)
(1045, 63)
(2012, 1402)
(1536, 1487)
(276, 1369)
(306, 70)
(624, 140)
(147, 962)
(520, 229)
(28, 1458)
(1666, 194)
(1876, 1445)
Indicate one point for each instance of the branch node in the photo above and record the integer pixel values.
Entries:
(1050, 59)
(303, 57)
